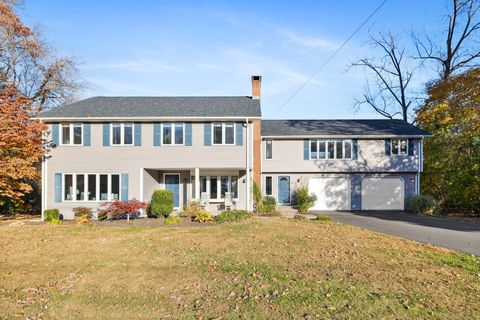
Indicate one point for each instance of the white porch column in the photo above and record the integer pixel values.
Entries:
(197, 184)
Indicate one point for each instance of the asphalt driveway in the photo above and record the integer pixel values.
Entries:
(458, 235)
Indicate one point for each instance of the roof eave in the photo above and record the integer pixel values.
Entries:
(345, 136)
(146, 119)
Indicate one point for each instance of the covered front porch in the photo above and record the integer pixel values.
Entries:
(216, 189)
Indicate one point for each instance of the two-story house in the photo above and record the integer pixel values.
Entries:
(120, 148)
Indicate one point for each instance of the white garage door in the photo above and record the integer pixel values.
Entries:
(332, 193)
(382, 194)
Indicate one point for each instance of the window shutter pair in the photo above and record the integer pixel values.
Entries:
(157, 135)
(86, 139)
(388, 147)
(137, 134)
(207, 134)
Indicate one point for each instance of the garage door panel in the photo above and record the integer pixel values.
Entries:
(382, 194)
(332, 193)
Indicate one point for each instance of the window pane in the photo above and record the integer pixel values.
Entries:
(223, 186)
(203, 184)
(213, 188)
(179, 133)
(229, 133)
(348, 150)
(331, 149)
(233, 186)
(116, 132)
(92, 187)
(65, 134)
(80, 190)
(115, 187)
(321, 150)
(403, 146)
(217, 133)
(268, 151)
(167, 134)
(313, 149)
(68, 187)
(268, 186)
(103, 187)
(395, 146)
(77, 134)
(127, 134)
(339, 150)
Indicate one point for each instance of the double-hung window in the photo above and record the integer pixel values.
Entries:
(71, 134)
(91, 187)
(223, 133)
(399, 146)
(173, 133)
(330, 149)
(122, 134)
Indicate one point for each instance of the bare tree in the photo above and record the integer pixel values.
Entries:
(462, 48)
(392, 74)
(31, 66)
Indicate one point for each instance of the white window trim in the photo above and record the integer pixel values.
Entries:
(97, 186)
(172, 125)
(399, 147)
(266, 146)
(219, 187)
(122, 136)
(179, 183)
(326, 149)
(72, 144)
(223, 134)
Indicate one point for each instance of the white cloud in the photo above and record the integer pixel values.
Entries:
(140, 66)
(312, 42)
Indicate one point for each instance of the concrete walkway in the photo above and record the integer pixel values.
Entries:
(443, 232)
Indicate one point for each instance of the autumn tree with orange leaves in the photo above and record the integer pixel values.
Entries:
(21, 146)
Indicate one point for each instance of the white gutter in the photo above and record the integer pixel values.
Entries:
(156, 118)
(344, 137)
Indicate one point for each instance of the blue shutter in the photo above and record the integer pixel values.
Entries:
(306, 146)
(55, 134)
(106, 134)
(58, 187)
(207, 134)
(124, 195)
(411, 147)
(388, 147)
(86, 135)
(355, 149)
(188, 134)
(239, 134)
(137, 139)
(156, 134)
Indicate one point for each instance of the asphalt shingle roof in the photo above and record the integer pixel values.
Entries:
(377, 127)
(158, 107)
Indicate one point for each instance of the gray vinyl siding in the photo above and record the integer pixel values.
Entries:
(288, 156)
(141, 162)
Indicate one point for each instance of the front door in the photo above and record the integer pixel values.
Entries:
(172, 183)
(284, 190)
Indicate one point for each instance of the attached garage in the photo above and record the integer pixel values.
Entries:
(333, 193)
(385, 193)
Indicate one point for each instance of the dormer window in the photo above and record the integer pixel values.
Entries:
(71, 134)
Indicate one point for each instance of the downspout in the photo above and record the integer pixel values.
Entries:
(248, 165)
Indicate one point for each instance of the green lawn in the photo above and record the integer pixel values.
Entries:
(256, 269)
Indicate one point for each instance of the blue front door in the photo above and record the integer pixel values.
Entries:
(284, 190)
(172, 183)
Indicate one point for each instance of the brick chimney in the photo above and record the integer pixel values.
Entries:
(256, 86)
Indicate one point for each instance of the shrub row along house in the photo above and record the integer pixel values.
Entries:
(213, 148)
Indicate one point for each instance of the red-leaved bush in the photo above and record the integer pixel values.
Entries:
(111, 210)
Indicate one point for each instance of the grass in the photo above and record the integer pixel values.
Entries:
(253, 269)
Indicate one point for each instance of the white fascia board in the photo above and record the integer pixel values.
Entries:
(141, 119)
(344, 137)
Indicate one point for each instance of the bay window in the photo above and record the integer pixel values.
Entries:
(122, 134)
(223, 133)
(90, 187)
(71, 134)
(172, 133)
(330, 149)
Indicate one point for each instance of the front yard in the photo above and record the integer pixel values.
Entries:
(254, 269)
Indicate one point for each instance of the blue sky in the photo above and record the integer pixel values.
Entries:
(188, 48)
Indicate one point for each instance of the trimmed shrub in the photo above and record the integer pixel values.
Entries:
(118, 210)
(232, 215)
(162, 203)
(269, 204)
(323, 218)
(51, 215)
(303, 200)
(203, 216)
(173, 220)
(83, 215)
(424, 204)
